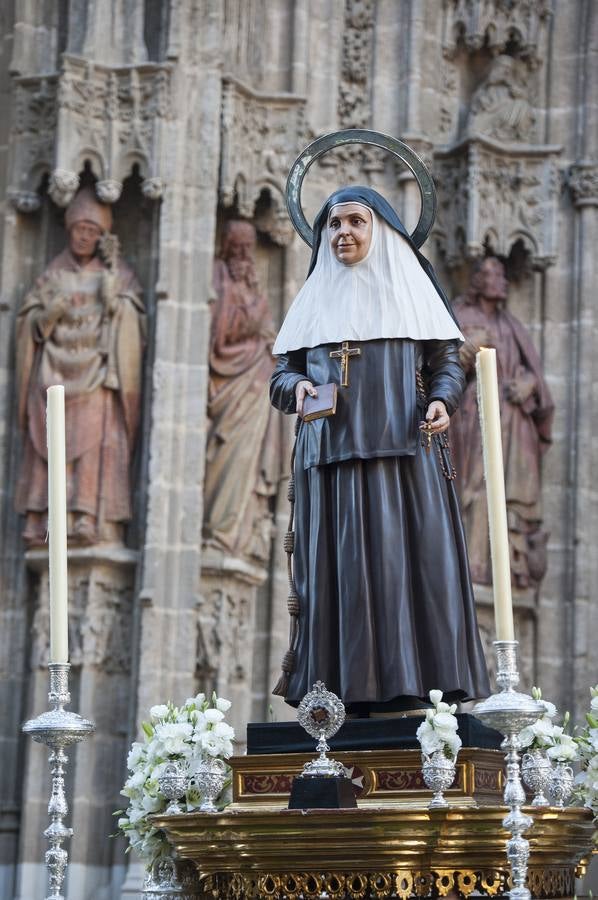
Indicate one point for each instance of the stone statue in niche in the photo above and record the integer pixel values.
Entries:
(526, 410)
(500, 107)
(82, 325)
(243, 445)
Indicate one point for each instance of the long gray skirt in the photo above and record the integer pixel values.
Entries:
(386, 603)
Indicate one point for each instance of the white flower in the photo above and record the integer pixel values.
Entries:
(435, 697)
(134, 755)
(173, 736)
(445, 721)
(222, 704)
(223, 730)
(549, 708)
(214, 715)
(594, 703)
(158, 712)
(428, 738)
(564, 749)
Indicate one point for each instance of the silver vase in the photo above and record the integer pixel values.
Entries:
(173, 783)
(536, 770)
(168, 878)
(439, 773)
(210, 778)
(561, 783)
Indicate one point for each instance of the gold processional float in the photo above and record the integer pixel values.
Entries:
(396, 841)
(393, 844)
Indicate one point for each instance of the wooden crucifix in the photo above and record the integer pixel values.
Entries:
(344, 354)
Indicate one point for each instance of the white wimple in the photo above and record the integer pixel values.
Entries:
(385, 295)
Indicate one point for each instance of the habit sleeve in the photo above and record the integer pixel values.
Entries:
(290, 370)
(444, 373)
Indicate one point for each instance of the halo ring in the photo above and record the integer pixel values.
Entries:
(334, 139)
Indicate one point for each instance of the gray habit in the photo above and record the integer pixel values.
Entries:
(380, 563)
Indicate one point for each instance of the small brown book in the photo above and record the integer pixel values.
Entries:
(322, 405)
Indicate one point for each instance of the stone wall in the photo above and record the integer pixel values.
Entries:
(185, 113)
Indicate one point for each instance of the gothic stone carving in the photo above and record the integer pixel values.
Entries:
(113, 117)
(495, 24)
(502, 107)
(495, 195)
(358, 35)
(100, 610)
(583, 184)
(261, 135)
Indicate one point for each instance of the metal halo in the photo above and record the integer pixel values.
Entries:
(328, 142)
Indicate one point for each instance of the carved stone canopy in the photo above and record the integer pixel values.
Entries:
(495, 24)
(494, 195)
(261, 135)
(111, 117)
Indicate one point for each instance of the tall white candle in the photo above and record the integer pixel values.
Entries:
(488, 400)
(59, 638)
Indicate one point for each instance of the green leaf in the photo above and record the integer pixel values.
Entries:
(148, 729)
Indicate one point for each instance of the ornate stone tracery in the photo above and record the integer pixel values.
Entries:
(111, 117)
(492, 195)
(261, 135)
(495, 24)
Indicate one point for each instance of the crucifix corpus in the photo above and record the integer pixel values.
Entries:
(344, 354)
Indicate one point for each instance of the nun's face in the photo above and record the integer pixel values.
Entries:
(350, 232)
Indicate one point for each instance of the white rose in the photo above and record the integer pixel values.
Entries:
(435, 697)
(222, 704)
(158, 712)
(214, 715)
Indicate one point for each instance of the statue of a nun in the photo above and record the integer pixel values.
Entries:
(385, 608)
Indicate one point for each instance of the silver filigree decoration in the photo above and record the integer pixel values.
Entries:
(321, 713)
(536, 769)
(210, 778)
(173, 783)
(509, 712)
(561, 783)
(439, 773)
(58, 728)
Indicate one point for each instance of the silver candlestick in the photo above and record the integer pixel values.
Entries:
(509, 712)
(58, 728)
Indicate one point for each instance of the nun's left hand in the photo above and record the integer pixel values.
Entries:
(437, 417)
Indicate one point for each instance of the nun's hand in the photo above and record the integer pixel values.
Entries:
(301, 389)
(437, 417)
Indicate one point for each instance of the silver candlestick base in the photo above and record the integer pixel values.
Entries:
(58, 728)
(509, 712)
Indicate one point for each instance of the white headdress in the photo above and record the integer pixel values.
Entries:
(385, 295)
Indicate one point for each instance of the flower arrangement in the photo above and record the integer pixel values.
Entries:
(587, 743)
(187, 734)
(438, 731)
(539, 735)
